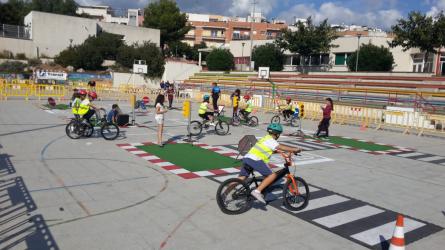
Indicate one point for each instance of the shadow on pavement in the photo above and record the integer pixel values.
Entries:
(19, 228)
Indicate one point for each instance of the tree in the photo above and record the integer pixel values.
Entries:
(179, 49)
(419, 31)
(372, 58)
(308, 39)
(166, 16)
(148, 52)
(92, 52)
(14, 11)
(220, 59)
(195, 52)
(268, 55)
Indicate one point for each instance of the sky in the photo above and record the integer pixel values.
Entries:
(373, 13)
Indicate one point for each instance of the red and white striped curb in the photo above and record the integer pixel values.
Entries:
(397, 150)
(178, 170)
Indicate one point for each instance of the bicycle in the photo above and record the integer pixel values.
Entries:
(295, 191)
(251, 121)
(294, 121)
(221, 127)
(109, 131)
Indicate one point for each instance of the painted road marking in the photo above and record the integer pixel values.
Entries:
(348, 216)
(432, 158)
(352, 219)
(323, 202)
(419, 156)
(410, 154)
(374, 236)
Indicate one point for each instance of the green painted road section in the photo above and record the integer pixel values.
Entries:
(355, 143)
(192, 158)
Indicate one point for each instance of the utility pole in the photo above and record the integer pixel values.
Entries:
(358, 52)
(251, 34)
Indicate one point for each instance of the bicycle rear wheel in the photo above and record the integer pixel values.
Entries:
(295, 122)
(73, 130)
(275, 119)
(253, 121)
(222, 128)
(195, 128)
(296, 198)
(233, 197)
(109, 131)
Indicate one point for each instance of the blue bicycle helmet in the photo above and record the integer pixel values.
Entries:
(275, 128)
(206, 97)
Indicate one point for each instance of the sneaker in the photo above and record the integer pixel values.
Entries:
(257, 195)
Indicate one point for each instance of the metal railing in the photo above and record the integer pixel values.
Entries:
(15, 31)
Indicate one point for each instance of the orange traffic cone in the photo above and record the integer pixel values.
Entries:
(398, 237)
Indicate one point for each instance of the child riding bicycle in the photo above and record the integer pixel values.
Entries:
(248, 109)
(289, 110)
(205, 111)
(259, 155)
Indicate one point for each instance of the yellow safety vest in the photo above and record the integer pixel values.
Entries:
(262, 151)
(79, 108)
(249, 106)
(202, 108)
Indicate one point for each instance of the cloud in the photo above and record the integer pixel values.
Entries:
(438, 6)
(337, 14)
(243, 7)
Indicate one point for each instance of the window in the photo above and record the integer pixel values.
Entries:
(214, 33)
(315, 60)
(325, 59)
(419, 64)
(340, 59)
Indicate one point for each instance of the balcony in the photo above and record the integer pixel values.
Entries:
(220, 38)
(240, 37)
(188, 36)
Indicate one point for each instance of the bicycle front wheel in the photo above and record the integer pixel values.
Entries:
(295, 122)
(109, 131)
(73, 130)
(195, 128)
(253, 121)
(236, 121)
(233, 197)
(222, 128)
(296, 197)
(275, 119)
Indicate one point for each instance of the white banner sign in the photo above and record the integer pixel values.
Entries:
(46, 75)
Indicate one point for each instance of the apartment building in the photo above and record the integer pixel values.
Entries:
(130, 17)
(217, 31)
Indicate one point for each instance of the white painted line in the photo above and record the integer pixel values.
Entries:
(343, 146)
(49, 111)
(127, 147)
(231, 170)
(411, 154)
(204, 173)
(364, 151)
(228, 150)
(302, 147)
(224, 152)
(313, 189)
(136, 144)
(310, 145)
(374, 236)
(432, 158)
(207, 147)
(313, 161)
(348, 216)
(180, 171)
(323, 202)
(150, 157)
(138, 152)
(164, 164)
(223, 178)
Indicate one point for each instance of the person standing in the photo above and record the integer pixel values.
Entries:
(170, 95)
(159, 117)
(235, 96)
(216, 93)
(324, 124)
(162, 85)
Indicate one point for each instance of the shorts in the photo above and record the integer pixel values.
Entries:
(159, 120)
(206, 116)
(259, 166)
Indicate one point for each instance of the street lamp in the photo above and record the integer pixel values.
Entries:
(358, 51)
(242, 56)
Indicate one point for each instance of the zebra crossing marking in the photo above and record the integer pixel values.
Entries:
(419, 156)
(363, 223)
